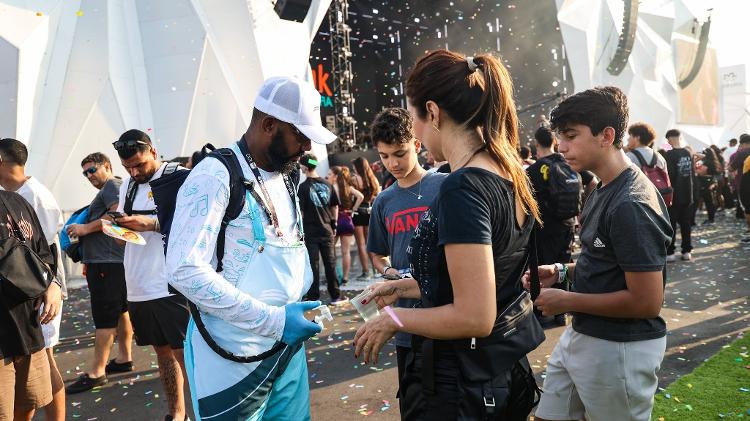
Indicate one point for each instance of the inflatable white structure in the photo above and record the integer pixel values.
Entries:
(75, 74)
(711, 109)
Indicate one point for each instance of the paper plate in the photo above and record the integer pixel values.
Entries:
(116, 231)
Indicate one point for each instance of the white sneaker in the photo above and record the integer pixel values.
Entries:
(671, 258)
(687, 256)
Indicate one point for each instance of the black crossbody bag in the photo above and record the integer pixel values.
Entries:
(494, 372)
(23, 273)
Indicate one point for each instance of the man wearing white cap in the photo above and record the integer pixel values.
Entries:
(252, 305)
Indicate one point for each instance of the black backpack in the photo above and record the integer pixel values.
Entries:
(165, 190)
(565, 191)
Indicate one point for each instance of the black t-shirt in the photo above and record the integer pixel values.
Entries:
(681, 175)
(316, 197)
(537, 174)
(474, 206)
(624, 228)
(20, 331)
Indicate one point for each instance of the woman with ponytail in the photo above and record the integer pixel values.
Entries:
(468, 359)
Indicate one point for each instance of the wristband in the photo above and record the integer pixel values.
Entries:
(393, 315)
(560, 272)
(385, 269)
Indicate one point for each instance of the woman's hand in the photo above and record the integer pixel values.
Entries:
(371, 337)
(384, 294)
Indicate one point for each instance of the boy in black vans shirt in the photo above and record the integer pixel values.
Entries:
(604, 366)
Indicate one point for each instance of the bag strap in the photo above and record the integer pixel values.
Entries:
(130, 196)
(195, 313)
(237, 186)
(170, 168)
(536, 286)
(642, 160)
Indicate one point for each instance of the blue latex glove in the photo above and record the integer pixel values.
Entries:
(297, 328)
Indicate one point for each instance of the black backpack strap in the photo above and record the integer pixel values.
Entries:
(641, 159)
(170, 168)
(237, 186)
(130, 196)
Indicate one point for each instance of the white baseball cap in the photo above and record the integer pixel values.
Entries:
(296, 102)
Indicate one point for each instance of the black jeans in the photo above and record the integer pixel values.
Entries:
(681, 214)
(324, 248)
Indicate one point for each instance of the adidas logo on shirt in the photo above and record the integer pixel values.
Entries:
(598, 243)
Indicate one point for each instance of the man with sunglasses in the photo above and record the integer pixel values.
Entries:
(159, 317)
(105, 275)
(252, 305)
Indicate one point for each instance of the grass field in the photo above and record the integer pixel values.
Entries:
(718, 389)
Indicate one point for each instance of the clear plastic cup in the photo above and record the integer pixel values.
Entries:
(367, 311)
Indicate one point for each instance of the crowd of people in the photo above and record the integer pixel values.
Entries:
(474, 251)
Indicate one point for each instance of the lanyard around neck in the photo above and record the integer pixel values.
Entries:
(266, 203)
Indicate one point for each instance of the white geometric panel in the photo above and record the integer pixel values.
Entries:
(74, 74)
(590, 30)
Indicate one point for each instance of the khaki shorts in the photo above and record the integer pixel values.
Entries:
(603, 380)
(24, 383)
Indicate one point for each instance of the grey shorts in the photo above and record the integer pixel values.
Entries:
(600, 379)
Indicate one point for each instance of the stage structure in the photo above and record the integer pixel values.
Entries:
(345, 126)
(659, 53)
(75, 74)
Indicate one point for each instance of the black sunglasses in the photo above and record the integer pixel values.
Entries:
(89, 171)
(127, 144)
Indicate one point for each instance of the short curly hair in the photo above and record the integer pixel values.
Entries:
(646, 134)
(597, 108)
(392, 126)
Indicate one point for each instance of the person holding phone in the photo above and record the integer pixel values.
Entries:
(105, 276)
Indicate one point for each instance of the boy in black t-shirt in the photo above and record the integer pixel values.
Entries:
(605, 364)
(682, 177)
(320, 208)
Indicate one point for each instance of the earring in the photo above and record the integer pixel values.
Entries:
(434, 126)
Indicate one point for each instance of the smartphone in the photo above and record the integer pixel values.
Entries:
(116, 215)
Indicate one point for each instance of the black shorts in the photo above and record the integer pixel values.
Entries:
(109, 295)
(362, 218)
(160, 322)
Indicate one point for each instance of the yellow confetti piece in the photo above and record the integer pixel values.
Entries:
(79, 13)
(661, 418)
(39, 14)
(690, 386)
